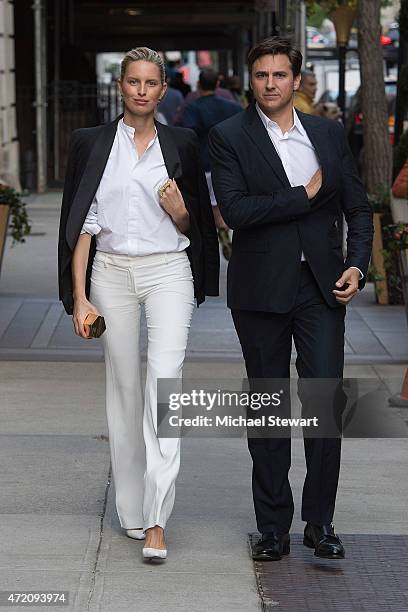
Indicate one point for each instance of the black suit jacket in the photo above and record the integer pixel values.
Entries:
(273, 222)
(88, 154)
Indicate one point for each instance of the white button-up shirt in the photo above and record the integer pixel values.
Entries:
(125, 214)
(296, 152)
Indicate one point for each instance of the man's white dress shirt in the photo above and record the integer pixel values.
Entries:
(295, 150)
(125, 214)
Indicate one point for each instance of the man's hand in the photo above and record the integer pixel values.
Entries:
(314, 184)
(349, 281)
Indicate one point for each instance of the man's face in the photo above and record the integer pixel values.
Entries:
(272, 82)
(309, 86)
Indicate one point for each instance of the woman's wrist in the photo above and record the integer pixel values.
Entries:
(79, 296)
(181, 215)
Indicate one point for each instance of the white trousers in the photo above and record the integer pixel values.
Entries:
(144, 466)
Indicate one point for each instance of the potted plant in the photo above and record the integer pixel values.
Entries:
(13, 214)
(396, 241)
(380, 204)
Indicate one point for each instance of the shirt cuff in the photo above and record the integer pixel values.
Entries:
(361, 274)
(91, 225)
(90, 228)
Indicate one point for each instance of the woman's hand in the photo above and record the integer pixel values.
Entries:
(173, 203)
(81, 308)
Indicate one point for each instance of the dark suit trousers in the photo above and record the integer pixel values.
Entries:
(266, 341)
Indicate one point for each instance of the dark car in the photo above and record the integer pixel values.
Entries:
(354, 122)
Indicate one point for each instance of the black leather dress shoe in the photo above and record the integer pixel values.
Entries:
(325, 542)
(271, 547)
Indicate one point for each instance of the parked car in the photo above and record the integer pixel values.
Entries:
(390, 45)
(330, 35)
(389, 42)
(354, 123)
(315, 39)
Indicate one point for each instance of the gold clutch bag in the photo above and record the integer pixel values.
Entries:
(96, 324)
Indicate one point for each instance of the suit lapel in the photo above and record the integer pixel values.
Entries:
(316, 131)
(90, 180)
(169, 150)
(256, 130)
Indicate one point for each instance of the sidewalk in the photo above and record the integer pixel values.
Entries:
(34, 325)
(59, 528)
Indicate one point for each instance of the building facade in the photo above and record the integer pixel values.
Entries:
(9, 149)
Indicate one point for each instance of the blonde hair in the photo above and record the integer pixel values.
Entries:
(146, 54)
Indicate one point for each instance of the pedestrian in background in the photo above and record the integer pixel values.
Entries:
(304, 96)
(178, 82)
(172, 100)
(233, 84)
(201, 115)
(221, 92)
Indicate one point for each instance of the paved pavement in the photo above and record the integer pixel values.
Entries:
(58, 527)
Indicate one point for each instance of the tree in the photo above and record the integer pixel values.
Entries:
(377, 154)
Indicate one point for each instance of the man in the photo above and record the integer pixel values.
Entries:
(178, 82)
(201, 115)
(221, 92)
(282, 180)
(172, 100)
(305, 94)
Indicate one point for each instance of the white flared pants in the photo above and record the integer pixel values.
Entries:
(144, 466)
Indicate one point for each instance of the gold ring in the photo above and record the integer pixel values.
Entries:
(163, 188)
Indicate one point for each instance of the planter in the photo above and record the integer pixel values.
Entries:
(381, 287)
(4, 218)
(399, 209)
(13, 216)
(403, 262)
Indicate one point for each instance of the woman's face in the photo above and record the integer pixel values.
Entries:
(141, 87)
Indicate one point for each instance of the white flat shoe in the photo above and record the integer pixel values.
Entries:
(152, 554)
(136, 534)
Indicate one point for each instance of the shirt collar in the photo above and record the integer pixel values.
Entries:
(130, 131)
(269, 124)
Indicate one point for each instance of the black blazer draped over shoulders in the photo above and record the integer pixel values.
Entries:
(88, 154)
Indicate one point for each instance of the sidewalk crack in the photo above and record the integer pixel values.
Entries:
(98, 550)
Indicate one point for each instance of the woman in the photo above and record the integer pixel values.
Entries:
(125, 242)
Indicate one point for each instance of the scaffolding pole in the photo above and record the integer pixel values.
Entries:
(56, 96)
(40, 93)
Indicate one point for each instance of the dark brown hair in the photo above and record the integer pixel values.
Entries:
(208, 79)
(275, 45)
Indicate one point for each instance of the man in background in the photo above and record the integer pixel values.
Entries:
(172, 100)
(304, 96)
(201, 115)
